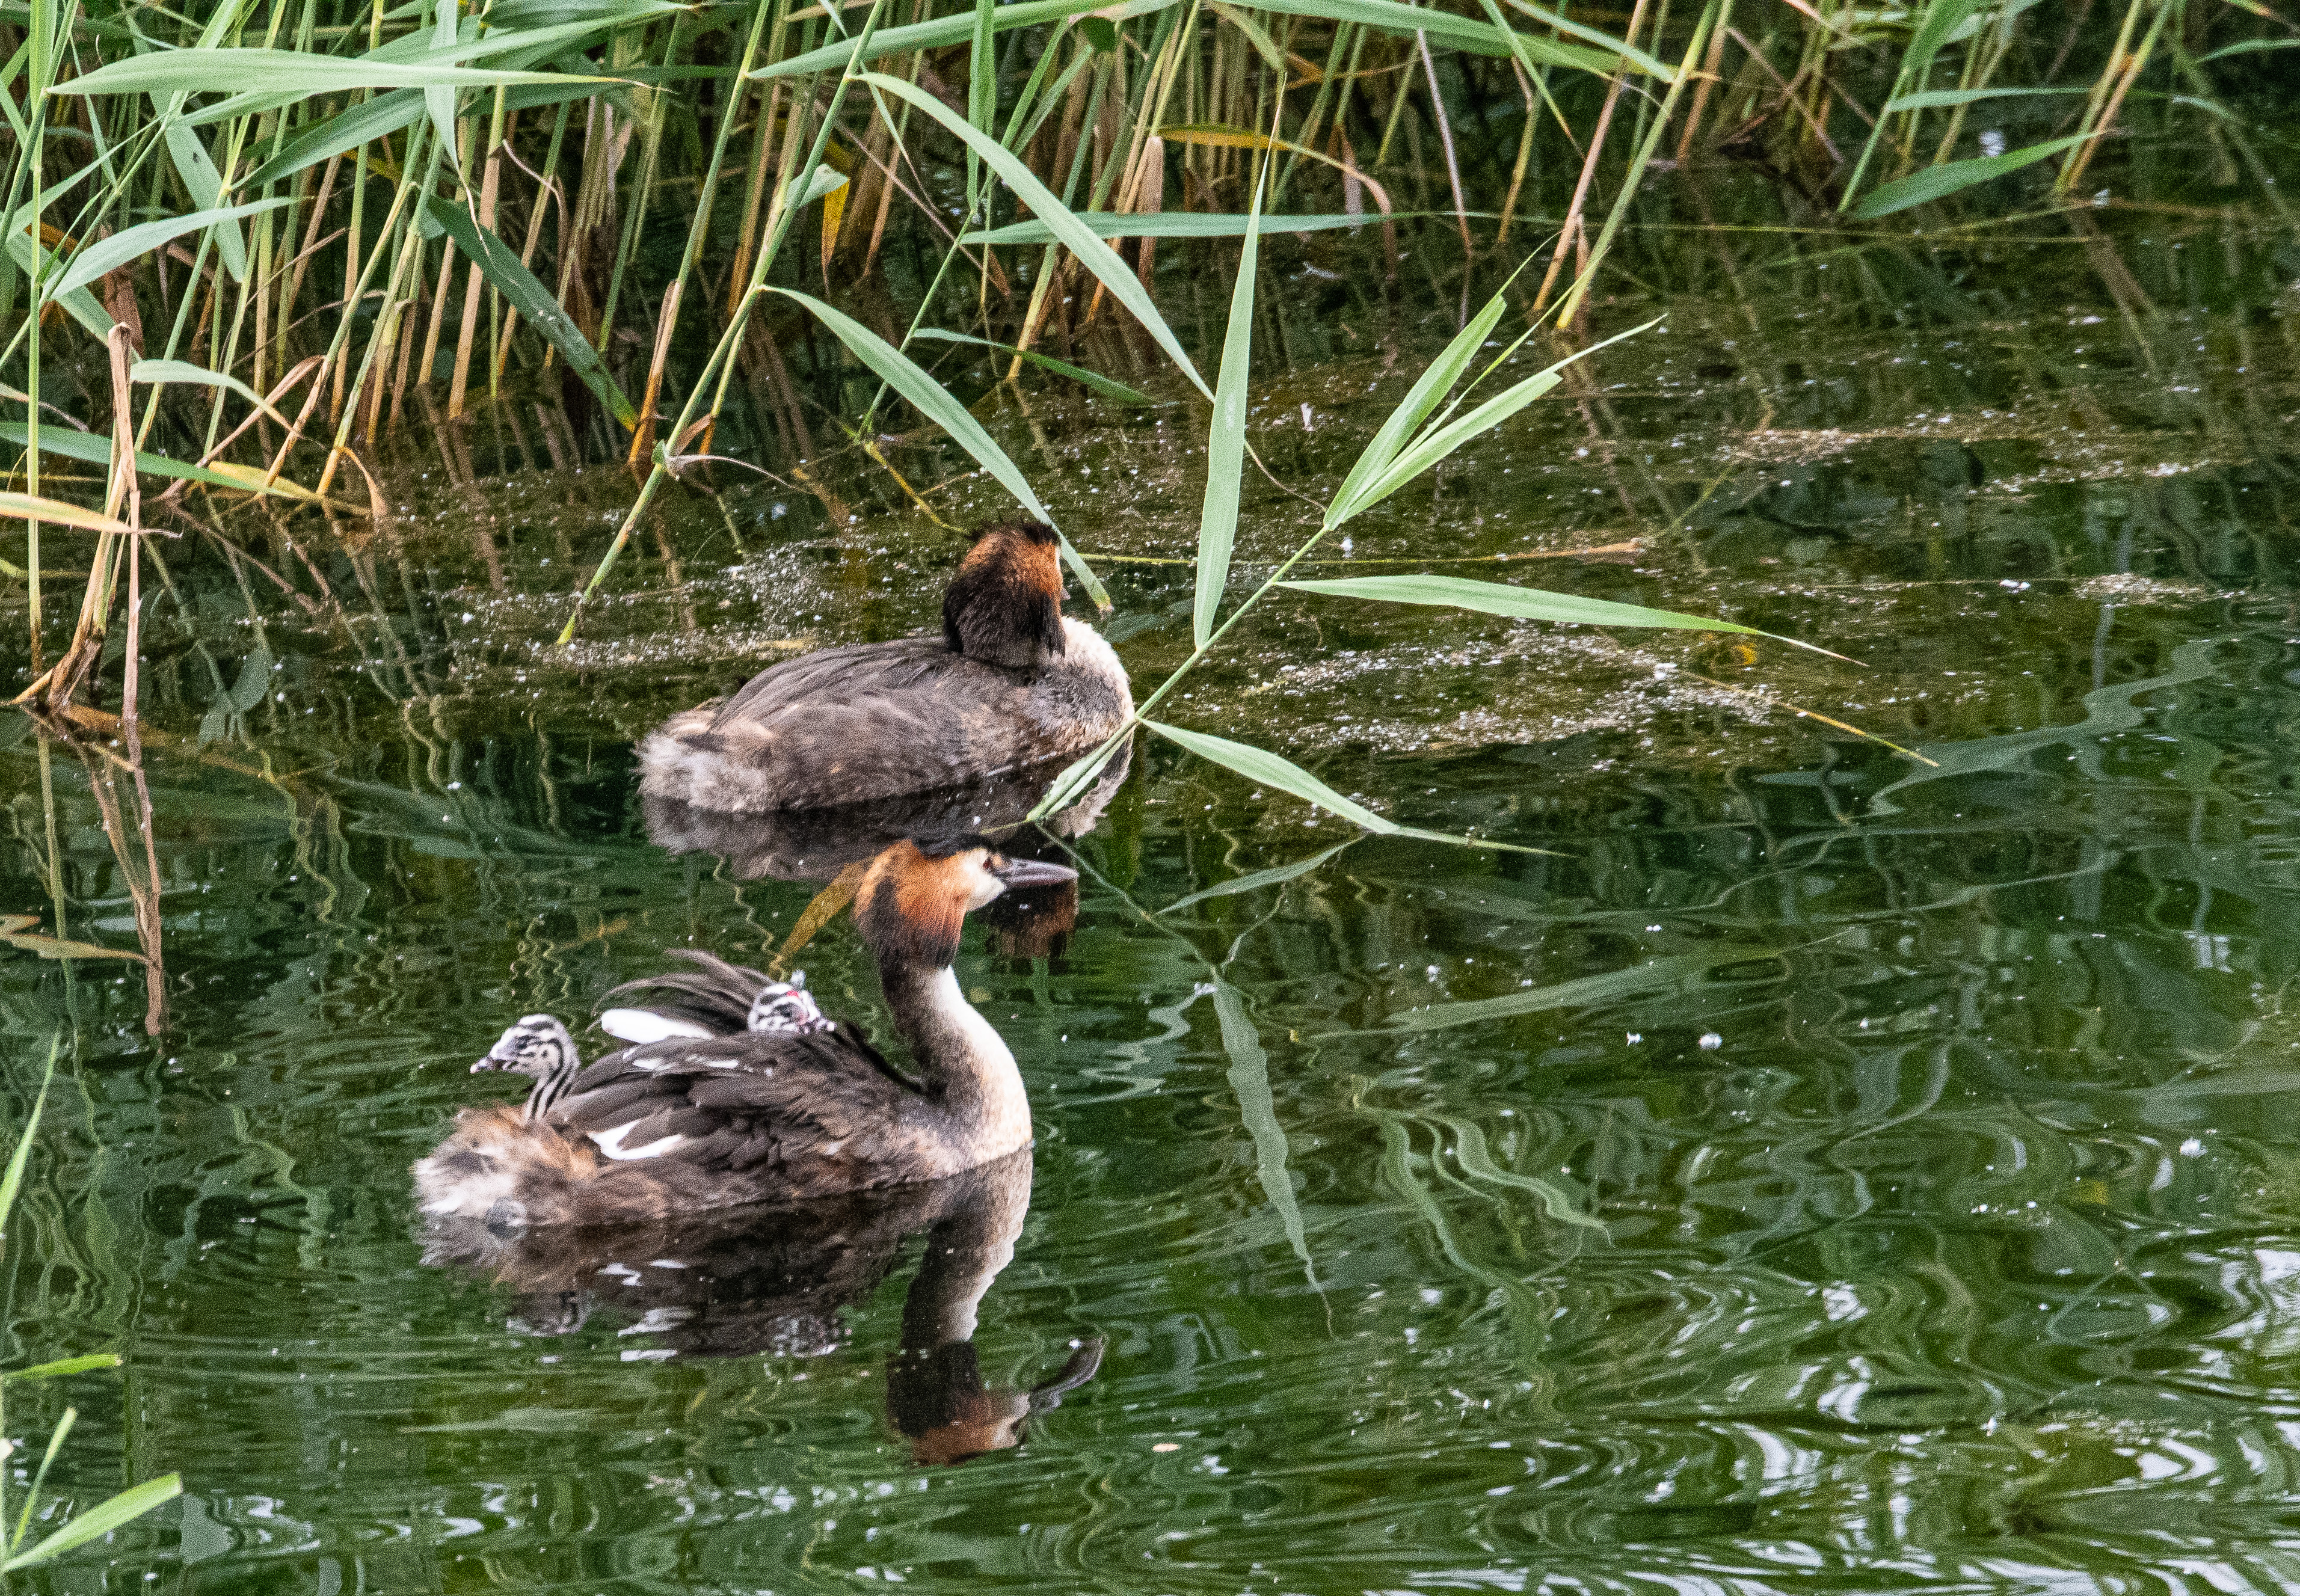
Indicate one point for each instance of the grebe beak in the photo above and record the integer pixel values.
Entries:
(1032, 872)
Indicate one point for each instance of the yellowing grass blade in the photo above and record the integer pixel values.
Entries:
(26, 507)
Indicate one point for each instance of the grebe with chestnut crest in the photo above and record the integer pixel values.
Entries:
(1010, 684)
(710, 1110)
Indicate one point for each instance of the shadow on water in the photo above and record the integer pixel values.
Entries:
(1819, 1172)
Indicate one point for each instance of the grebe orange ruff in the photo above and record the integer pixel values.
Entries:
(712, 1116)
(1010, 684)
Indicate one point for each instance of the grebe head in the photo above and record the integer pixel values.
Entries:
(539, 1046)
(1004, 606)
(911, 908)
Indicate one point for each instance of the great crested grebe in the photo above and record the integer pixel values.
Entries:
(703, 1115)
(1010, 682)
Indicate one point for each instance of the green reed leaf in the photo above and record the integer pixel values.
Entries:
(526, 47)
(1437, 442)
(1277, 876)
(13, 1179)
(79, 303)
(1091, 251)
(1465, 33)
(500, 264)
(1940, 19)
(1932, 99)
(1226, 436)
(1275, 771)
(184, 372)
(65, 1365)
(1263, 45)
(954, 29)
(827, 179)
(1188, 224)
(1065, 789)
(440, 100)
(616, 14)
(2249, 46)
(102, 1519)
(196, 71)
(982, 94)
(1108, 388)
(95, 449)
(1428, 389)
(128, 243)
(1943, 19)
(370, 119)
(928, 397)
(1938, 182)
(346, 130)
(205, 185)
(1530, 603)
(40, 1475)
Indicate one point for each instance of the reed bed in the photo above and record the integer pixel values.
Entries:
(303, 228)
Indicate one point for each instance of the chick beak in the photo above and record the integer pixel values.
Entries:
(499, 1056)
(1032, 872)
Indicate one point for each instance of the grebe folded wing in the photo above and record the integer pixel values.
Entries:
(735, 1103)
(902, 667)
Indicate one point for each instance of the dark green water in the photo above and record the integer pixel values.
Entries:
(1823, 1173)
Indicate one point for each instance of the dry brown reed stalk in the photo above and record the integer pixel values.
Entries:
(50, 692)
(1100, 138)
(1575, 230)
(1453, 166)
(490, 185)
(1712, 74)
(2115, 81)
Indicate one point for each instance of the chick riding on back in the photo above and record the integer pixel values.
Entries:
(711, 1110)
